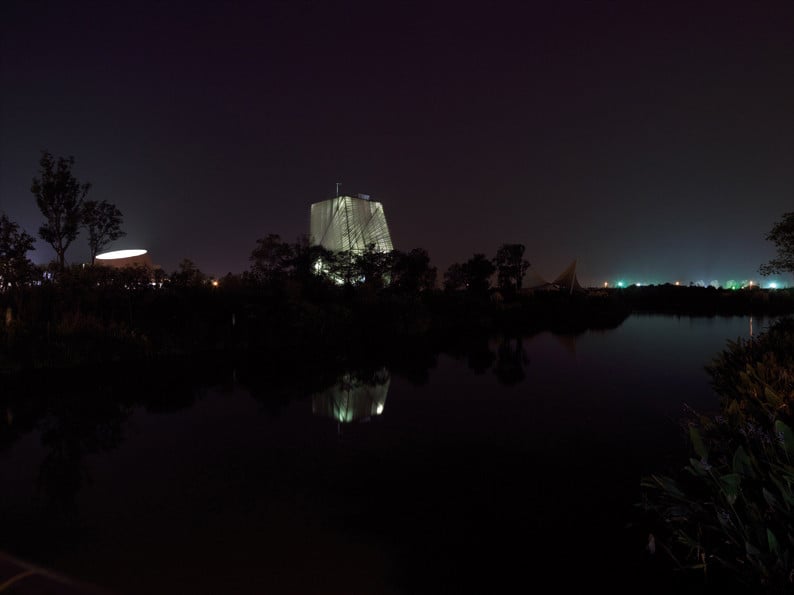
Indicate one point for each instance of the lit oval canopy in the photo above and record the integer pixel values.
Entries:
(120, 254)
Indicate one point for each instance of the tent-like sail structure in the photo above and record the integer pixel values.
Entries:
(565, 281)
(347, 223)
(533, 280)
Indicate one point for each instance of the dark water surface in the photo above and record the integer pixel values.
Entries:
(496, 470)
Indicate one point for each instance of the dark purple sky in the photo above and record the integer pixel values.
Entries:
(651, 141)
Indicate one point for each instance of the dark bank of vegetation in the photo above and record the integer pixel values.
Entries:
(87, 315)
(96, 315)
(708, 301)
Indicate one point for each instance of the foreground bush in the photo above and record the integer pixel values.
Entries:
(730, 512)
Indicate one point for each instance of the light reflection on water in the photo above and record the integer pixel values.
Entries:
(543, 437)
(353, 397)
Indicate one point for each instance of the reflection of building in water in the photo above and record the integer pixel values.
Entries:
(353, 398)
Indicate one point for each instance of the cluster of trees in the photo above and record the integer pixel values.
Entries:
(475, 274)
(15, 243)
(275, 261)
(61, 198)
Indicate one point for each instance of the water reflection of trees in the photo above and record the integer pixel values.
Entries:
(511, 361)
(505, 356)
(354, 396)
(473, 348)
(75, 426)
(83, 412)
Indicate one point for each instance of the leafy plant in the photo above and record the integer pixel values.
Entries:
(731, 510)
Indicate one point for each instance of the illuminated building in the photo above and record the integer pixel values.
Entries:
(350, 223)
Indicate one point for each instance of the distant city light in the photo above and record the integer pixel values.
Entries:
(730, 284)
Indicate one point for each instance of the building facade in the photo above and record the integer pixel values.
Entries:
(350, 223)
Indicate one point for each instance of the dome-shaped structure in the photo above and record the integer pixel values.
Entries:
(124, 258)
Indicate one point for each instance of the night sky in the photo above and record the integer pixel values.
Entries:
(651, 141)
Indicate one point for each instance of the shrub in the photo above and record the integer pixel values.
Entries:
(731, 509)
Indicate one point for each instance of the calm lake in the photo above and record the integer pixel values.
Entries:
(506, 466)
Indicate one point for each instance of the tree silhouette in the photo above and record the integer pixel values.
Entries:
(411, 272)
(474, 275)
(271, 259)
(59, 197)
(510, 266)
(102, 220)
(308, 260)
(15, 266)
(782, 235)
(454, 277)
(188, 275)
(373, 266)
(477, 272)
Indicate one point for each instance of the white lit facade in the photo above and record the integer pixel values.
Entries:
(348, 223)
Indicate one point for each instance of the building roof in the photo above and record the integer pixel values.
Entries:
(125, 258)
(565, 281)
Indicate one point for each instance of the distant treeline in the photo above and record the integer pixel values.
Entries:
(94, 314)
(708, 301)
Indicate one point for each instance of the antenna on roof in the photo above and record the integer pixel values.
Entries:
(338, 184)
